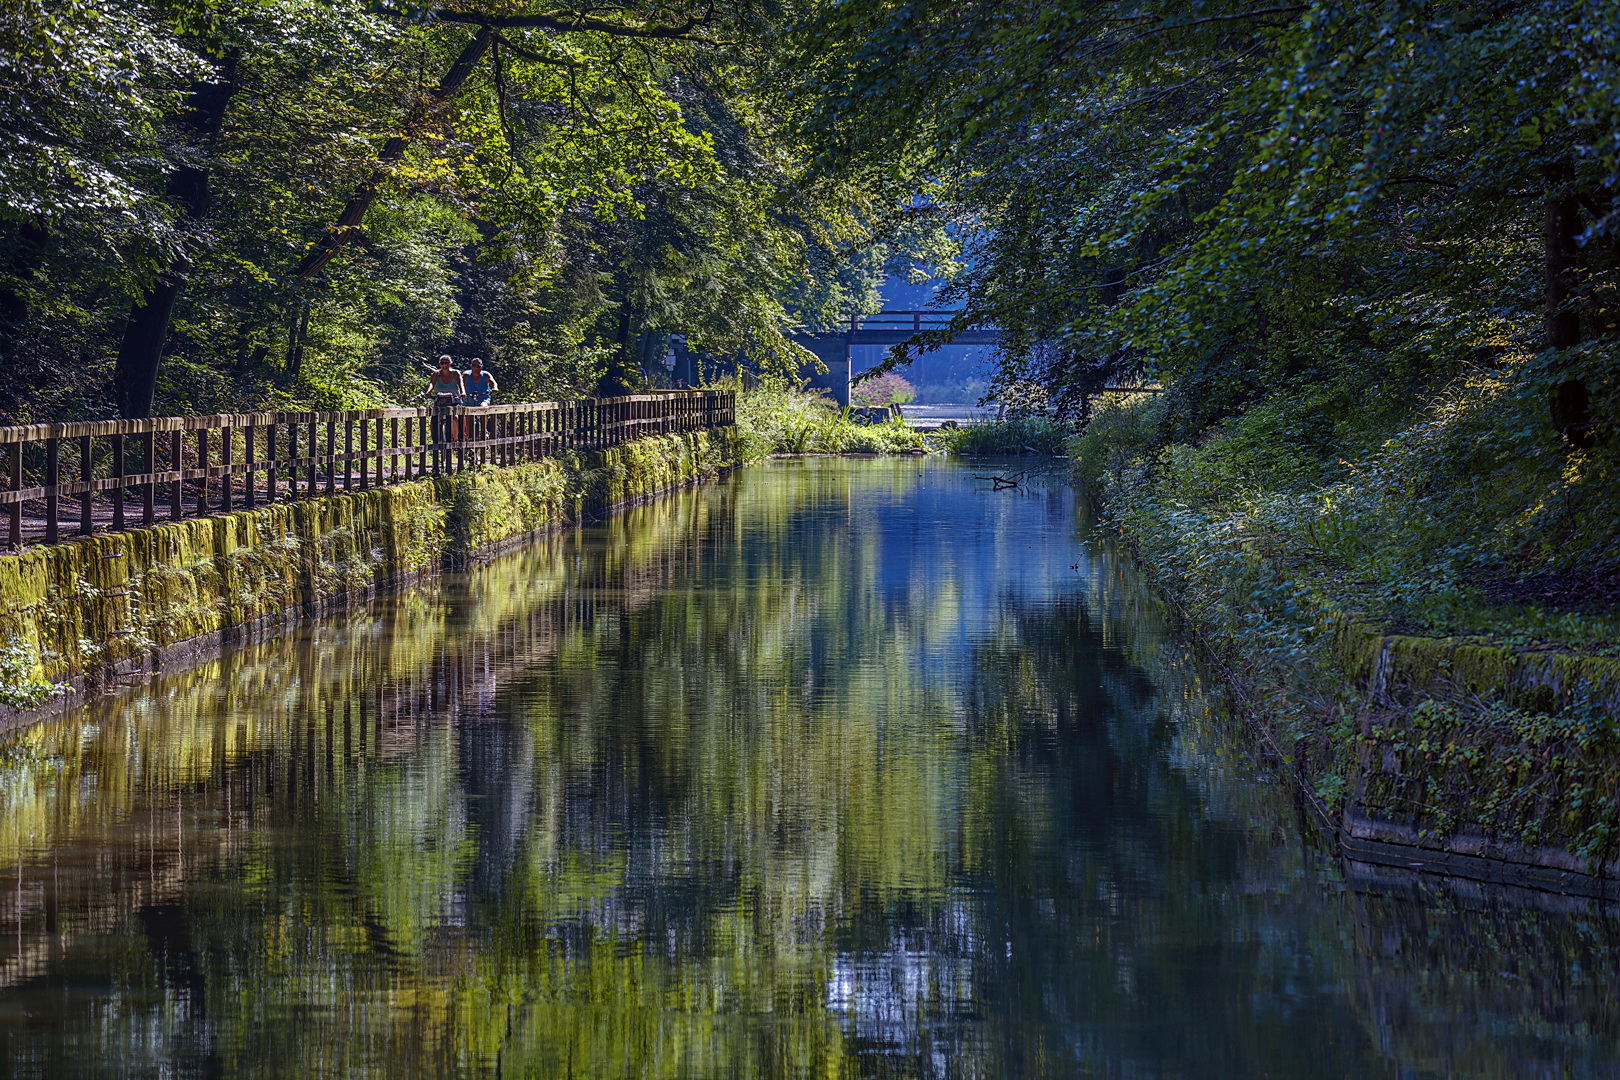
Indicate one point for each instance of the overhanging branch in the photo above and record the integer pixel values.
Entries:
(576, 22)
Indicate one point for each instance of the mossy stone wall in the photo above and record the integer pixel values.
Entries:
(1396, 667)
(77, 612)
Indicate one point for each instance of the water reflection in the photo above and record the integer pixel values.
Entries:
(840, 768)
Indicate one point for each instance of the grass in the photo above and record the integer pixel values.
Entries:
(1021, 435)
(780, 418)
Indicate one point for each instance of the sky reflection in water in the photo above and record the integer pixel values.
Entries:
(838, 768)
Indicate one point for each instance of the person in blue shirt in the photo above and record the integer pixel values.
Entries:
(480, 385)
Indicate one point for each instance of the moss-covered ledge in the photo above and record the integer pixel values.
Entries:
(1467, 757)
(1395, 668)
(74, 615)
(1474, 758)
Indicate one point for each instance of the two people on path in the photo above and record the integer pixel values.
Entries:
(472, 387)
(475, 386)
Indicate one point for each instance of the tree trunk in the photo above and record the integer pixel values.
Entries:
(297, 330)
(340, 232)
(1570, 402)
(135, 376)
(25, 260)
(619, 378)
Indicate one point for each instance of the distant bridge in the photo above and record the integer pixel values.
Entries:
(835, 350)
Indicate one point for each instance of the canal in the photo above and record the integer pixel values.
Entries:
(837, 768)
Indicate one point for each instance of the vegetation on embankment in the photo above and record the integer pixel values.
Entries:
(1017, 435)
(1400, 602)
(779, 418)
(80, 611)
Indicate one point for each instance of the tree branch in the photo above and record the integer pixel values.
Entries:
(1290, 9)
(1416, 179)
(341, 231)
(569, 22)
(518, 50)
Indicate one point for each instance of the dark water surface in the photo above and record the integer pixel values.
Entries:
(840, 768)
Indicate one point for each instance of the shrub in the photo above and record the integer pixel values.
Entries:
(1413, 523)
(890, 388)
(781, 418)
(1021, 435)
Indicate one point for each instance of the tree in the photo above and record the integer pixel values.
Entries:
(135, 376)
(1240, 197)
(310, 199)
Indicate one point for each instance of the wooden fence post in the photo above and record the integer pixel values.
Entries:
(314, 468)
(149, 489)
(227, 458)
(14, 510)
(202, 463)
(117, 440)
(270, 461)
(52, 477)
(87, 473)
(177, 458)
(249, 489)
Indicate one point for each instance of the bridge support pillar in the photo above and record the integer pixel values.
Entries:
(834, 351)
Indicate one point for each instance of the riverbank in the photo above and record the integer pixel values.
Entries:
(1430, 721)
(76, 616)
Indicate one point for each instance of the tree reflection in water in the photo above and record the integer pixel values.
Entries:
(834, 769)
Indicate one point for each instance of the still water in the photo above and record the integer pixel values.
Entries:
(838, 768)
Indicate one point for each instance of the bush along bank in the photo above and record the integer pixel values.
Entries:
(1353, 597)
(1017, 435)
(779, 418)
(74, 615)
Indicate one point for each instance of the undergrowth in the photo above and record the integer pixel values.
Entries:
(780, 418)
(1410, 526)
(1300, 512)
(1018, 435)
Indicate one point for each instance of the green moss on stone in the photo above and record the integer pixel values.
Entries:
(72, 609)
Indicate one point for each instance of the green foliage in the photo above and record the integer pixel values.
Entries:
(595, 185)
(1117, 439)
(780, 418)
(1413, 529)
(1317, 229)
(20, 684)
(1531, 776)
(1018, 435)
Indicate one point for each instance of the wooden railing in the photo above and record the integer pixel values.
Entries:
(915, 321)
(121, 471)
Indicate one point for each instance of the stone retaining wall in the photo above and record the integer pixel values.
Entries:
(74, 615)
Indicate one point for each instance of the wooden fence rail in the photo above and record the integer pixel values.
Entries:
(121, 471)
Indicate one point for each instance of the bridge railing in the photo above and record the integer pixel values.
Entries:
(120, 472)
(916, 321)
